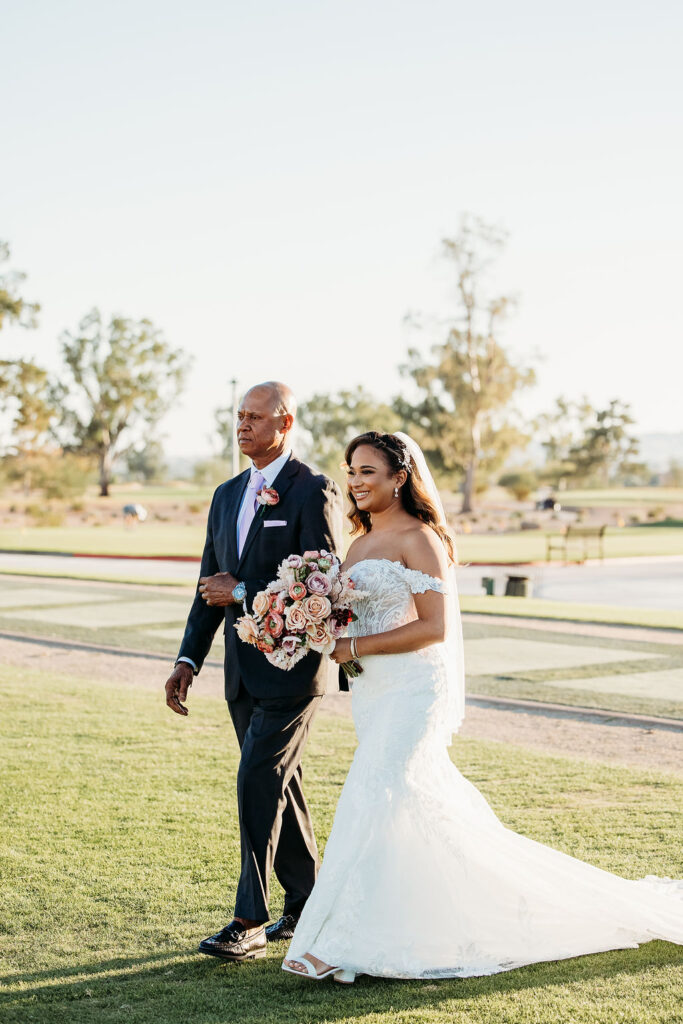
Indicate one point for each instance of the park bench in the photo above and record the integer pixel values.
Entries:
(583, 535)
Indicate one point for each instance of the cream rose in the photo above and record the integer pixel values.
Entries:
(317, 607)
(319, 638)
(260, 605)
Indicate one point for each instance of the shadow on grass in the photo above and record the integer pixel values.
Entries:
(182, 987)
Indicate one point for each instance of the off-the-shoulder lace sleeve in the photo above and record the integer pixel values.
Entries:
(420, 581)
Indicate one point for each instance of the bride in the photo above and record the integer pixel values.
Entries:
(420, 879)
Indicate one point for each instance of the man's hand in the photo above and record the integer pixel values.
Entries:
(217, 590)
(177, 685)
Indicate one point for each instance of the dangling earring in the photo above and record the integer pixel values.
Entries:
(396, 491)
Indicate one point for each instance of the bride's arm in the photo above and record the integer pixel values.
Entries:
(426, 553)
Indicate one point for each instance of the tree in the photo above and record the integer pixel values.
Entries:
(25, 398)
(608, 447)
(12, 307)
(463, 415)
(333, 420)
(120, 380)
(146, 463)
(561, 432)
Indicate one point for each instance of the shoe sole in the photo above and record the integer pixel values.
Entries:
(258, 954)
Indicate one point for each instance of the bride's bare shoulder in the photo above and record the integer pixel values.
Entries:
(423, 549)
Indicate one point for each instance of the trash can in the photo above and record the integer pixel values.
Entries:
(518, 586)
(488, 583)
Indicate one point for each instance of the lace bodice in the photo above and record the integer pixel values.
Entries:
(389, 587)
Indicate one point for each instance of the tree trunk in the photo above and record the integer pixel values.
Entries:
(105, 472)
(468, 491)
(468, 485)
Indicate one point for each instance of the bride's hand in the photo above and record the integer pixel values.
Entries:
(342, 651)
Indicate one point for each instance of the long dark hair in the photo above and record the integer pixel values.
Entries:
(414, 495)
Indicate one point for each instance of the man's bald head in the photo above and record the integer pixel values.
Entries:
(264, 419)
(281, 396)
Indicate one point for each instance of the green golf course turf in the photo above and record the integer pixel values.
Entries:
(120, 850)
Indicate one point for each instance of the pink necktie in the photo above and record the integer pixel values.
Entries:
(249, 510)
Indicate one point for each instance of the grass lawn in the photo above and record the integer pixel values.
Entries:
(168, 540)
(120, 851)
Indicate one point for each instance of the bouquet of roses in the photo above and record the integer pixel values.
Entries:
(306, 608)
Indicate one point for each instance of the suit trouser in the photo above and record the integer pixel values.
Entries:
(276, 830)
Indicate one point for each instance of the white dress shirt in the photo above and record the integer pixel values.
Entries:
(268, 473)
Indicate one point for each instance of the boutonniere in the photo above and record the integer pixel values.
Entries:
(267, 496)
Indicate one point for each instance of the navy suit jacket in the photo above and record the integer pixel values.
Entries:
(311, 507)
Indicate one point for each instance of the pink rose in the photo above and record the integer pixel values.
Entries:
(295, 561)
(310, 556)
(274, 624)
(260, 604)
(317, 607)
(295, 617)
(297, 591)
(268, 496)
(318, 583)
(277, 604)
(319, 638)
(290, 644)
(247, 629)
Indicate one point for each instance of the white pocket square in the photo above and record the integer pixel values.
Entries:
(274, 522)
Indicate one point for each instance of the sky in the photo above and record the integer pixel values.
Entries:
(270, 183)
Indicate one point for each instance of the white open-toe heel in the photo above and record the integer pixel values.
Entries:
(345, 977)
(310, 970)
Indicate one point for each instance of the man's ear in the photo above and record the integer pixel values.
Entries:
(289, 422)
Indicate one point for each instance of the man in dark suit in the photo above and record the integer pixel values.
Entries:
(271, 709)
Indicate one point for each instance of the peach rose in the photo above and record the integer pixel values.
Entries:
(247, 629)
(267, 496)
(260, 604)
(317, 607)
(277, 603)
(295, 617)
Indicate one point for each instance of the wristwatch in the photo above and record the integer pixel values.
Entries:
(239, 592)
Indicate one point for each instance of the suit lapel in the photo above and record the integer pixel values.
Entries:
(282, 482)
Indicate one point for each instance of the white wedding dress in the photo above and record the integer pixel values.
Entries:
(420, 879)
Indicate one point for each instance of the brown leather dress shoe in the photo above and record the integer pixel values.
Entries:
(235, 942)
